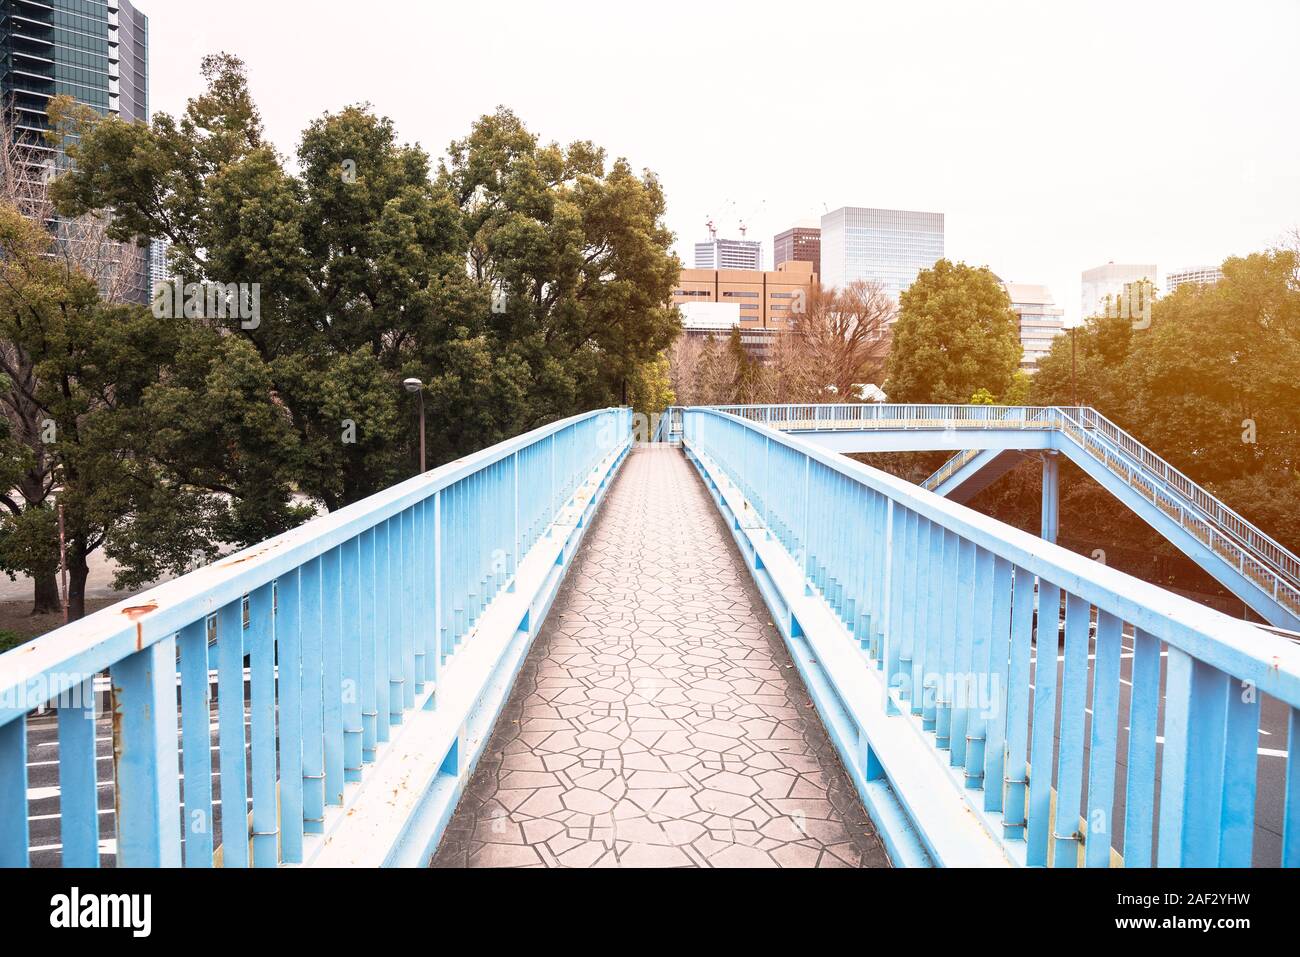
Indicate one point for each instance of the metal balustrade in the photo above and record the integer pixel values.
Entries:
(1089, 427)
(950, 468)
(953, 610)
(669, 428)
(849, 416)
(348, 624)
(1243, 546)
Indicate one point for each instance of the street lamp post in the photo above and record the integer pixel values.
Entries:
(417, 387)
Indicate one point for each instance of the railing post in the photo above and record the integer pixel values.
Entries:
(1191, 780)
(196, 721)
(78, 794)
(311, 702)
(13, 793)
(1291, 801)
(439, 630)
(518, 552)
(332, 676)
(803, 542)
(261, 681)
(892, 629)
(232, 741)
(288, 639)
(1044, 715)
(145, 760)
(354, 731)
(1240, 761)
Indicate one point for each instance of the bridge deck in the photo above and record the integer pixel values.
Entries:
(658, 720)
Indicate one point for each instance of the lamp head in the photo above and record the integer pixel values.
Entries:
(412, 385)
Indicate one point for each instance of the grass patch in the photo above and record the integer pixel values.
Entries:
(11, 639)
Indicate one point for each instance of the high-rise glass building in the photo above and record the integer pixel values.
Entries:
(887, 246)
(97, 52)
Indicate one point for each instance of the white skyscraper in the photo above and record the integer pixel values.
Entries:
(729, 254)
(887, 246)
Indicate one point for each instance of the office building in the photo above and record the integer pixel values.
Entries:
(1193, 275)
(716, 320)
(1109, 282)
(97, 52)
(766, 300)
(885, 246)
(729, 254)
(1041, 321)
(798, 244)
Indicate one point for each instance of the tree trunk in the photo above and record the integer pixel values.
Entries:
(78, 572)
(47, 600)
(31, 486)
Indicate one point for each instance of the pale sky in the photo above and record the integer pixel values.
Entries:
(1055, 136)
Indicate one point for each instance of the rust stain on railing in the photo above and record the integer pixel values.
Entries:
(135, 613)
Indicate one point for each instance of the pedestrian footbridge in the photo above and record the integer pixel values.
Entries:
(734, 647)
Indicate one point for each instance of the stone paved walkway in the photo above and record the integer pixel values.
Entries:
(658, 720)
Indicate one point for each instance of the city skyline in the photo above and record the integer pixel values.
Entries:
(956, 127)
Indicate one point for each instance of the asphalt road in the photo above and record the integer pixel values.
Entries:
(1270, 768)
(43, 786)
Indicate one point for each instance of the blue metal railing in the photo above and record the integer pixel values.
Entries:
(1253, 553)
(954, 607)
(669, 428)
(348, 622)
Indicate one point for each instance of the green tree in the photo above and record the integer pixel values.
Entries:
(521, 283)
(575, 256)
(749, 370)
(955, 334)
(96, 370)
(1212, 385)
(650, 390)
(355, 259)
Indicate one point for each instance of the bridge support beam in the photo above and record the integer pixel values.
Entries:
(1051, 496)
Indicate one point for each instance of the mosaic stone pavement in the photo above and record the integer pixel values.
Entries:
(658, 721)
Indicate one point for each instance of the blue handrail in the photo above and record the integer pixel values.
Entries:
(945, 601)
(352, 617)
(1256, 555)
(669, 428)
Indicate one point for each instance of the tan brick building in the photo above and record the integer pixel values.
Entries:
(767, 300)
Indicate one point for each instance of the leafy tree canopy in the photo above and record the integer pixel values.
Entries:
(521, 282)
(956, 334)
(1212, 385)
